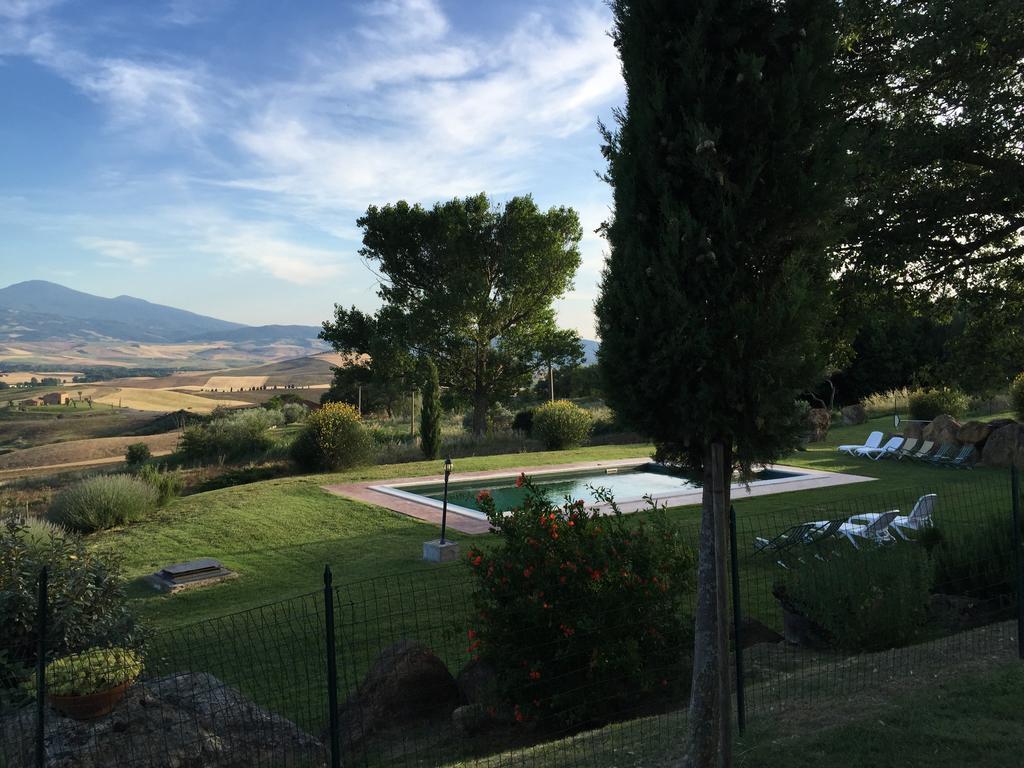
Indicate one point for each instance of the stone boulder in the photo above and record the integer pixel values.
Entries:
(854, 414)
(818, 421)
(974, 433)
(943, 429)
(470, 719)
(1005, 446)
(188, 720)
(406, 683)
(913, 429)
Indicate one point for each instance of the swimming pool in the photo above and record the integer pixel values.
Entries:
(628, 485)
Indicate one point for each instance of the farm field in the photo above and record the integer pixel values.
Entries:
(24, 377)
(81, 452)
(39, 426)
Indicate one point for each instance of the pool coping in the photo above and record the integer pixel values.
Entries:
(389, 494)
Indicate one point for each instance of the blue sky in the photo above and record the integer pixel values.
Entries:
(215, 154)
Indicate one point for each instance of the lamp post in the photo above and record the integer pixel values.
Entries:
(444, 502)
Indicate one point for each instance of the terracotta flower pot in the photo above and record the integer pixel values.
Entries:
(90, 706)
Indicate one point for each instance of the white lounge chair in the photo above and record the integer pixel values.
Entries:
(877, 530)
(874, 440)
(891, 447)
(920, 516)
(922, 451)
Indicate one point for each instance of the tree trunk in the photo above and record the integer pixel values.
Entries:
(703, 746)
(479, 414)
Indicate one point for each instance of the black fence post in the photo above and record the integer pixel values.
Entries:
(332, 668)
(737, 618)
(42, 609)
(1018, 559)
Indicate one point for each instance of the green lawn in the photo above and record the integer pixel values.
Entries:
(279, 534)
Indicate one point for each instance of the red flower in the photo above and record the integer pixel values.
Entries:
(528, 572)
(567, 631)
(476, 561)
(519, 714)
(482, 496)
(471, 634)
(534, 674)
(520, 480)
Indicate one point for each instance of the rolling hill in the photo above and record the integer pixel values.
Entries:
(41, 311)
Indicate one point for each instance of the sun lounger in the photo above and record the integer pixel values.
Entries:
(874, 440)
(963, 460)
(892, 446)
(945, 453)
(922, 451)
(796, 537)
(876, 530)
(909, 446)
(920, 516)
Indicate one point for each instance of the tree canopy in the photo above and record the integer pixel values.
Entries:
(471, 285)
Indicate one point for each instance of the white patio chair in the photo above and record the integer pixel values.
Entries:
(874, 440)
(920, 516)
(892, 446)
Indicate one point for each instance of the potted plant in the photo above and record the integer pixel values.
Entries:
(88, 685)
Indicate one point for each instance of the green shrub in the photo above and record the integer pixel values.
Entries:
(98, 503)
(1017, 395)
(333, 438)
(561, 424)
(293, 412)
(866, 600)
(137, 454)
(882, 403)
(582, 616)
(93, 671)
(166, 483)
(232, 436)
(976, 560)
(87, 602)
(522, 422)
(38, 535)
(926, 404)
(430, 415)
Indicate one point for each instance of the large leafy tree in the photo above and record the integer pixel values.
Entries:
(935, 93)
(716, 285)
(472, 286)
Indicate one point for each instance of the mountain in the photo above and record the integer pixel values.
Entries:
(589, 351)
(38, 310)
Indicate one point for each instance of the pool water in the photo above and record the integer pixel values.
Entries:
(629, 484)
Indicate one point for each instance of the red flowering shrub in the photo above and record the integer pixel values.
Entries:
(583, 616)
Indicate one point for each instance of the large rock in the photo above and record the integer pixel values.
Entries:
(974, 432)
(1005, 446)
(753, 632)
(818, 421)
(189, 720)
(407, 683)
(854, 414)
(478, 683)
(943, 429)
(913, 429)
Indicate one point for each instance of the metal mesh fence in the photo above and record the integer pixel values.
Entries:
(834, 599)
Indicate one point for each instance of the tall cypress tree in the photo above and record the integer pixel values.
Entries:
(430, 413)
(716, 285)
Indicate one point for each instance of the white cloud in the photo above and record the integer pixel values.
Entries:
(23, 9)
(123, 251)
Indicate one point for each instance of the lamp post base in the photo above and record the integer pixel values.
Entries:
(436, 552)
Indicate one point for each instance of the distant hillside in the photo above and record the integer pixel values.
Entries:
(589, 351)
(38, 311)
(264, 333)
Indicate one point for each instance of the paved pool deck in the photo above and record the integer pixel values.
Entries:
(390, 495)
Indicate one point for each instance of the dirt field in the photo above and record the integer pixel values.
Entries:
(23, 377)
(233, 382)
(29, 429)
(159, 400)
(79, 452)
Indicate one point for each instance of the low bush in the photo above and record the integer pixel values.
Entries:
(499, 419)
(232, 436)
(137, 454)
(522, 422)
(102, 502)
(94, 671)
(167, 484)
(581, 616)
(926, 404)
(87, 601)
(866, 600)
(561, 424)
(293, 412)
(976, 561)
(38, 535)
(1017, 395)
(882, 403)
(333, 438)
